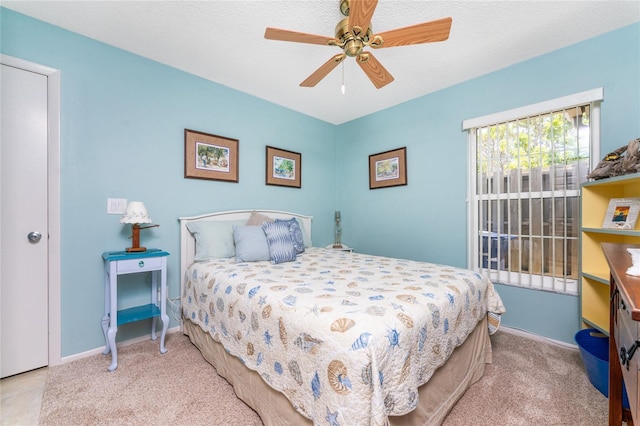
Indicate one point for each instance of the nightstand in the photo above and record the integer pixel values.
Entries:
(342, 248)
(120, 263)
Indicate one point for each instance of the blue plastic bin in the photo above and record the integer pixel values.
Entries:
(594, 351)
(499, 254)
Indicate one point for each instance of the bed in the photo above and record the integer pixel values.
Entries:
(330, 337)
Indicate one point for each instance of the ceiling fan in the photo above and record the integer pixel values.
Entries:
(354, 33)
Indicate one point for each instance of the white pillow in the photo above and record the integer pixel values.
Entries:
(214, 238)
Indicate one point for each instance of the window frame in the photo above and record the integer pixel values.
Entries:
(593, 97)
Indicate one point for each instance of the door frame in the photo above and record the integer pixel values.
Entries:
(53, 198)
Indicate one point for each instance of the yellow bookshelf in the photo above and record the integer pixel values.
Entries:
(594, 271)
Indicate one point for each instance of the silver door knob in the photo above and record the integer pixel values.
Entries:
(34, 236)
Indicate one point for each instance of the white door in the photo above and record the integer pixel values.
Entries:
(23, 221)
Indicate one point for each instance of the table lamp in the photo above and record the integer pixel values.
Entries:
(135, 214)
(337, 243)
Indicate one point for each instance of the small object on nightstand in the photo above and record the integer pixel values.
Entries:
(341, 247)
(119, 263)
(135, 214)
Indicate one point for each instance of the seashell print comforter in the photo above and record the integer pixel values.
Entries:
(348, 338)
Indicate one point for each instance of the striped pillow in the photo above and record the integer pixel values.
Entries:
(296, 234)
(281, 248)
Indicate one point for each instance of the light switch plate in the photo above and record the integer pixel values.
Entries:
(116, 205)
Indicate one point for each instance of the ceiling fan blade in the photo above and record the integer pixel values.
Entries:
(322, 72)
(426, 32)
(361, 12)
(286, 35)
(378, 74)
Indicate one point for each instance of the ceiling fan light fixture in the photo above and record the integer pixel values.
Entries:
(353, 48)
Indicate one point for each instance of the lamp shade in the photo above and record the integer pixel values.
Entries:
(136, 212)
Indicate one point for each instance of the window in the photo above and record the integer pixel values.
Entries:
(524, 191)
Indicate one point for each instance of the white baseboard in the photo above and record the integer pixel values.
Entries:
(177, 329)
(97, 351)
(532, 336)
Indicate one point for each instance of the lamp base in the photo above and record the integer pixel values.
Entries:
(136, 249)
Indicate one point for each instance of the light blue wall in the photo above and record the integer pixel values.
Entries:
(122, 135)
(122, 127)
(426, 220)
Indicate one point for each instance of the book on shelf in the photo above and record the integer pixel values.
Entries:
(622, 213)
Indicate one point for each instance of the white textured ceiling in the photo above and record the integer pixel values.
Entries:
(223, 41)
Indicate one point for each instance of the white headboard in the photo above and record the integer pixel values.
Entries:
(188, 241)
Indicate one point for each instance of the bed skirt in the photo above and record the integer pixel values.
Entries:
(436, 397)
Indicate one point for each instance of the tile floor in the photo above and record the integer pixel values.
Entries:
(22, 398)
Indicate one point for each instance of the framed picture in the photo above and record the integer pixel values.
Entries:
(210, 157)
(284, 168)
(622, 213)
(388, 168)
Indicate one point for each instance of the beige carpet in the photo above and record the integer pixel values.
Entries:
(147, 388)
(529, 383)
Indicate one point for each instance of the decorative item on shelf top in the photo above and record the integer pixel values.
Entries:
(634, 269)
(337, 243)
(622, 213)
(135, 214)
(619, 162)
